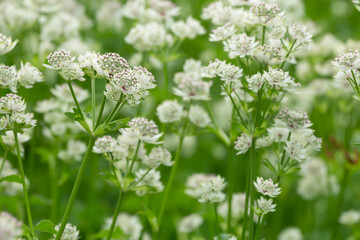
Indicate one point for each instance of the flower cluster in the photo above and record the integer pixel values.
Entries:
(70, 232)
(10, 227)
(12, 107)
(206, 188)
(266, 188)
(6, 44)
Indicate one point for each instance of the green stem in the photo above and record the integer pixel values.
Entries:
(259, 227)
(166, 77)
(135, 155)
(76, 186)
(174, 169)
(26, 197)
(288, 53)
(75, 99)
(93, 102)
(116, 213)
(117, 107)
(4, 159)
(231, 172)
(101, 111)
(251, 188)
(217, 221)
(340, 202)
(142, 177)
(54, 188)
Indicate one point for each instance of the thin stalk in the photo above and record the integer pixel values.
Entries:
(116, 213)
(217, 221)
(4, 159)
(246, 207)
(231, 172)
(93, 102)
(259, 227)
(135, 155)
(118, 105)
(75, 99)
(288, 53)
(142, 177)
(76, 187)
(54, 188)
(251, 188)
(122, 194)
(26, 197)
(219, 132)
(174, 169)
(166, 77)
(101, 111)
(340, 202)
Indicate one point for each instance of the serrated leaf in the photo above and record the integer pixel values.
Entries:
(46, 226)
(12, 178)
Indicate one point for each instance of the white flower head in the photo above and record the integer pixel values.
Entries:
(267, 187)
(59, 58)
(169, 111)
(243, 143)
(108, 64)
(349, 217)
(240, 45)
(280, 80)
(104, 144)
(300, 33)
(8, 77)
(130, 225)
(12, 103)
(296, 150)
(70, 232)
(348, 61)
(192, 88)
(157, 156)
(10, 227)
(222, 33)
(6, 44)
(255, 82)
(294, 119)
(142, 129)
(212, 188)
(188, 29)
(264, 206)
(278, 134)
(152, 179)
(190, 223)
(267, 13)
(199, 116)
(28, 75)
(290, 233)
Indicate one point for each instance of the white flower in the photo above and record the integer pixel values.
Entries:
(266, 13)
(243, 143)
(267, 187)
(157, 156)
(71, 71)
(151, 36)
(240, 45)
(8, 77)
(28, 75)
(189, 29)
(193, 185)
(130, 225)
(299, 33)
(62, 92)
(255, 82)
(217, 13)
(265, 206)
(12, 103)
(70, 232)
(294, 119)
(227, 72)
(296, 150)
(199, 116)
(278, 134)
(290, 233)
(22, 120)
(6, 44)
(10, 227)
(104, 144)
(192, 88)
(269, 55)
(59, 58)
(169, 111)
(109, 16)
(107, 65)
(222, 33)
(143, 130)
(348, 61)
(152, 179)
(211, 190)
(190, 223)
(349, 217)
(280, 80)
(74, 150)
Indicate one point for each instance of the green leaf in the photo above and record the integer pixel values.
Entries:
(292, 170)
(76, 116)
(129, 179)
(46, 226)
(111, 178)
(12, 178)
(112, 126)
(152, 219)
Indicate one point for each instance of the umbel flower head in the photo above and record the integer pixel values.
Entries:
(264, 206)
(143, 130)
(169, 111)
(108, 64)
(28, 75)
(10, 227)
(70, 232)
(130, 85)
(243, 143)
(190, 223)
(6, 44)
(267, 187)
(294, 119)
(8, 77)
(158, 156)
